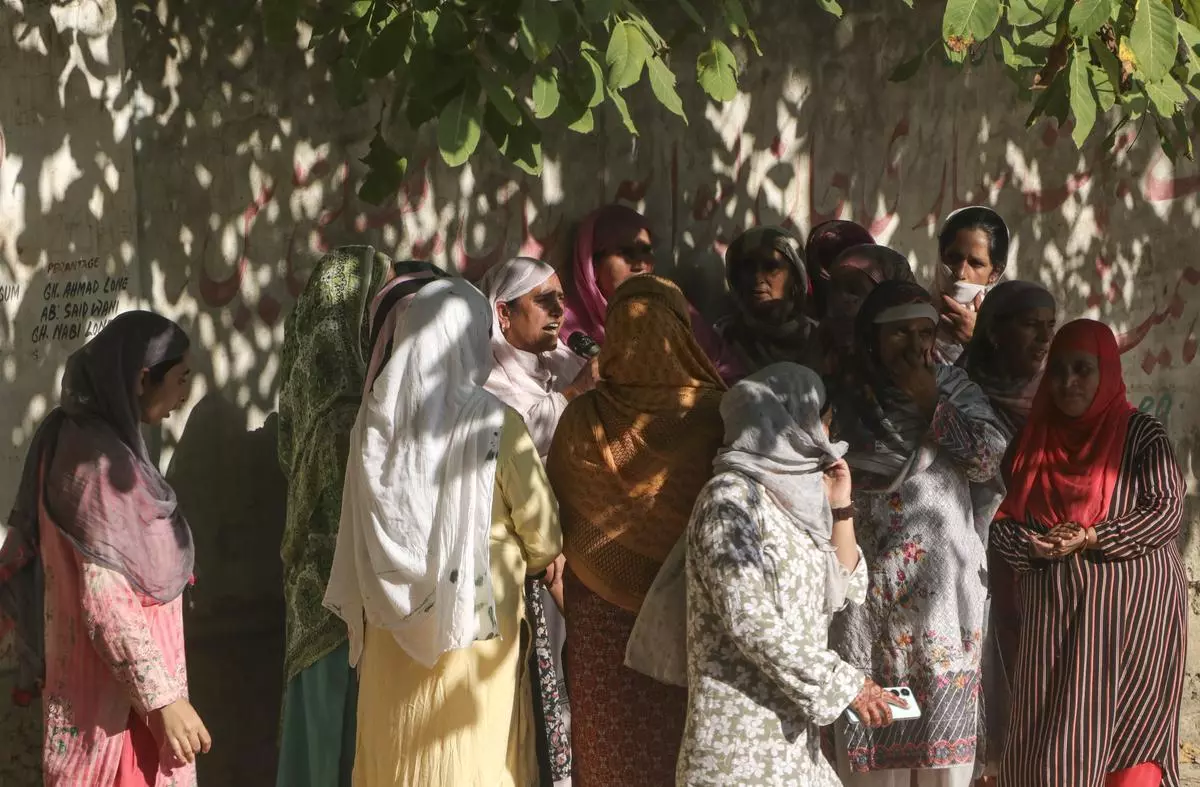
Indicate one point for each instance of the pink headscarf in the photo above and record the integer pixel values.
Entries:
(603, 230)
(89, 467)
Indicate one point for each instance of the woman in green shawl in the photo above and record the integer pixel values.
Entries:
(327, 348)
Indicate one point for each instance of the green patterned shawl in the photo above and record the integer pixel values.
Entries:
(324, 361)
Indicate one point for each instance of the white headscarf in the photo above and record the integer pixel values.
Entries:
(774, 436)
(527, 382)
(412, 547)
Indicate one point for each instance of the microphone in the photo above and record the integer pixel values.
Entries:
(583, 345)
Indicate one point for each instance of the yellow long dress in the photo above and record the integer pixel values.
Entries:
(468, 722)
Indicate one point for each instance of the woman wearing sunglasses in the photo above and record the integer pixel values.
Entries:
(613, 244)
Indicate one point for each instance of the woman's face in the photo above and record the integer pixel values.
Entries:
(614, 266)
(1022, 342)
(1074, 379)
(904, 345)
(848, 288)
(157, 400)
(967, 259)
(763, 279)
(531, 322)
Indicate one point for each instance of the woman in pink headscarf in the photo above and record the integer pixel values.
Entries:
(612, 244)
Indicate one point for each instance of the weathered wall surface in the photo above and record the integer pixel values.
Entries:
(172, 162)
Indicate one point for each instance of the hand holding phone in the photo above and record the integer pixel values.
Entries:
(882, 706)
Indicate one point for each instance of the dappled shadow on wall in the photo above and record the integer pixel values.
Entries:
(239, 170)
(233, 494)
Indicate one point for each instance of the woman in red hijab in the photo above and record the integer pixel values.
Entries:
(1094, 505)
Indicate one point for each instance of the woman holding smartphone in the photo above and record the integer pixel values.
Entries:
(771, 556)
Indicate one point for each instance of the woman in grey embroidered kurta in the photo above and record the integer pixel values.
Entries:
(920, 434)
(766, 569)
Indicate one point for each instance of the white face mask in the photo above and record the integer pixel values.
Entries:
(964, 292)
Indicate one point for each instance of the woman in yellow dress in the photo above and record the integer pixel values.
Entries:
(446, 510)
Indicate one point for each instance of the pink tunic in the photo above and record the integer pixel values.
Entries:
(109, 651)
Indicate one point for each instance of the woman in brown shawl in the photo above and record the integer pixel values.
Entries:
(627, 462)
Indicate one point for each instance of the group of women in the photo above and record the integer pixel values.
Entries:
(703, 556)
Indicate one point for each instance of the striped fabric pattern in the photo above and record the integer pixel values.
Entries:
(1099, 674)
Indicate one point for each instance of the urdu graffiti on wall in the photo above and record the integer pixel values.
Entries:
(348, 214)
(871, 197)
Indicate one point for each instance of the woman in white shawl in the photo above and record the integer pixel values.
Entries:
(771, 556)
(536, 375)
(446, 509)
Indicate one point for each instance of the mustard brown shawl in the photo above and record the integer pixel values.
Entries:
(630, 457)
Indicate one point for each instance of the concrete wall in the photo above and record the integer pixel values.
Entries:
(172, 162)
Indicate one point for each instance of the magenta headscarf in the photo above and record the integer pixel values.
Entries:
(603, 230)
(101, 489)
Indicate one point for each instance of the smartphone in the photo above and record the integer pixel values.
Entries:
(907, 713)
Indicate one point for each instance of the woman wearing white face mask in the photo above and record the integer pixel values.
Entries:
(973, 252)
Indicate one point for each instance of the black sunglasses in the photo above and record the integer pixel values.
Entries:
(643, 252)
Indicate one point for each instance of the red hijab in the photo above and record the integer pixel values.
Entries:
(1065, 469)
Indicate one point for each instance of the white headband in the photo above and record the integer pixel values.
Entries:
(907, 311)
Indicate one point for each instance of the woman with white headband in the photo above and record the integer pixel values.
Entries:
(536, 375)
(919, 434)
(972, 255)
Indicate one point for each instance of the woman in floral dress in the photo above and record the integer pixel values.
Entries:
(920, 434)
(771, 555)
(95, 516)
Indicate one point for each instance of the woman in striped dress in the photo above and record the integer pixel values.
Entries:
(1094, 504)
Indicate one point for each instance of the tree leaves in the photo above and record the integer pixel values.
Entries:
(626, 56)
(1166, 95)
(618, 101)
(1083, 98)
(716, 71)
(691, 11)
(1087, 16)
(509, 67)
(967, 22)
(386, 51)
(1026, 13)
(545, 94)
(458, 129)
(1154, 39)
(499, 95)
(539, 29)
(832, 7)
(1191, 11)
(386, 170)
(662, 82)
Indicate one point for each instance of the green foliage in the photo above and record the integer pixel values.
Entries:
(509, 70)
(1091, 58)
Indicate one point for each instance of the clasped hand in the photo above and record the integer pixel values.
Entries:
(1063, 540)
